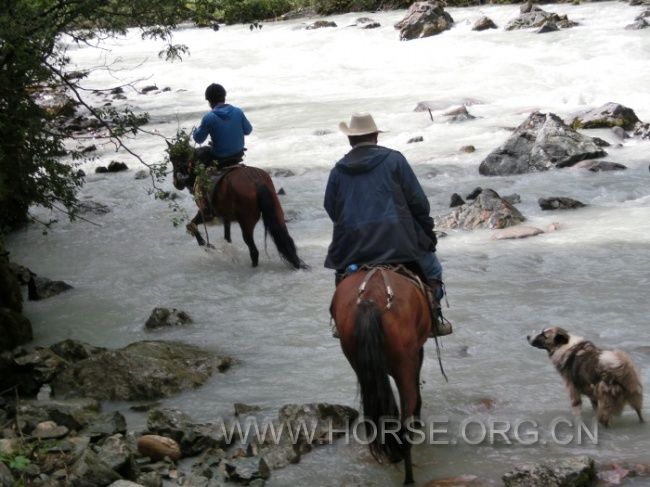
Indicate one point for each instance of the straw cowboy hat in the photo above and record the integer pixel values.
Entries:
(360, 124)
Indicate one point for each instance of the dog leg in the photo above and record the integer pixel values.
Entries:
(636, 401)
(576, 400)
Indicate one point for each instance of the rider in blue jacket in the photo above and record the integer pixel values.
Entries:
(226, 125)
(380, 212)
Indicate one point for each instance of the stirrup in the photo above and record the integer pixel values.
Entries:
(440, 326)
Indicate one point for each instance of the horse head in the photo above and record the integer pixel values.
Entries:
(181, 159)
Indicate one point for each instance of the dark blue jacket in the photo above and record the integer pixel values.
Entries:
(226, 125)
(379, 210)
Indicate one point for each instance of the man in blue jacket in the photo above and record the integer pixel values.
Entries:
(380, 212)
(226, 125)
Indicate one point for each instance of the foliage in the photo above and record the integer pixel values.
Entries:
(34, 37)
(252, 10)
(180, 147)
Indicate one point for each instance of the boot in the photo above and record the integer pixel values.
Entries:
(440, 326)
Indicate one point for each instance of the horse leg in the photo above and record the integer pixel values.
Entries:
(409, 393)
(193, 229)
(247, 233)
(418, 403)
(226, 231)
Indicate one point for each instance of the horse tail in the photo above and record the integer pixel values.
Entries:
(377, 396)
(274, 224)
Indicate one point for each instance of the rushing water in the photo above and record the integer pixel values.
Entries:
(590, 276)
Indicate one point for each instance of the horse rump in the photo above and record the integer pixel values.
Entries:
(379, 406)
(274, 224)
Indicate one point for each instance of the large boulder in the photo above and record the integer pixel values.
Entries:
(141, 371)
(567, 472)
(488, 210)
(542, 142)
(15, 329)
(10, 293)
(424, 19)
(42, 288)
(533, 17)
(165, 318)
(559, 203)
(606, 116)
(484, 23)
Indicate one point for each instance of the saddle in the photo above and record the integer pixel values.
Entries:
(205, 193)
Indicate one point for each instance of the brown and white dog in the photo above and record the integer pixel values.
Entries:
(607, 377)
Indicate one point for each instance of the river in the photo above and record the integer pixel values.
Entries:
(296, 85)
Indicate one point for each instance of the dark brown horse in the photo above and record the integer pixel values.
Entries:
(383, 320)
(242, 195)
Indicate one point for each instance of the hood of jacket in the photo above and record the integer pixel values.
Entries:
(362, 159)
(224, 111)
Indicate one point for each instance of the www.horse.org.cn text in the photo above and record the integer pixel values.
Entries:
(563, 431)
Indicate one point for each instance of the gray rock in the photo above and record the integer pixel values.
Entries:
(141, 174)
(165, 317)
(43, 363)
(149, 88)
(15, 329)
(372, 25)
(484, 23)
(74, 414)
(107, 424)
(141, 371)
(74, 351)
(320, 418)
(468, 149)
(91, 471)
(542, 142)
(192, 437)
(10, 294)
(246, 470)
(125, 483)
(474, 194)
(606, 116)
(548, 26)
(597, 166)
(319, 24)
(567, 472)
(22, 273)
(559, 203)
(117, 166)
(416, 139)
(152, 479)
(488, 210)
(459, 114)
(116, 452)
(42, 288)
(424, 19)
(513, 199)
(536, 18)
(642, 130)
(637, 25)
(242, 409)
(620, 133)
(456, 200)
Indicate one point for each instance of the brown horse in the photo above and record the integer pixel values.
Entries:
(242, 195)
(383, 320)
